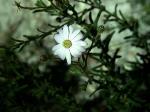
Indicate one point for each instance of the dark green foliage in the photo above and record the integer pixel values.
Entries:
(24, 88)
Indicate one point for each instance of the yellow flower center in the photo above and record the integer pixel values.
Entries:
(67, 43)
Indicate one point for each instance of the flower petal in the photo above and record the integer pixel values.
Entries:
(68, 56)
(60, 52)
(74, 34)
(75, 52)
(79, 46)
(70, 31)
(60, 31)
(80, 49)
(66, 32)
(77, 37)
(80, 43)
(59, 38)
(56, 47)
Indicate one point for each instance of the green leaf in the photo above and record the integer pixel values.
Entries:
(121, 14)
(115, 56)
(106, 41)
(97, 17)
(90, 17)
(116, 6)
(40, 3)
(97, 68)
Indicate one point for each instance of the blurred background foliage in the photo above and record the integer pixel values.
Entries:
(111, 76)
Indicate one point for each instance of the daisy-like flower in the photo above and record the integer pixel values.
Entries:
(69, 43)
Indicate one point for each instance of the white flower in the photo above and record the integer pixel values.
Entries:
(69, 43)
